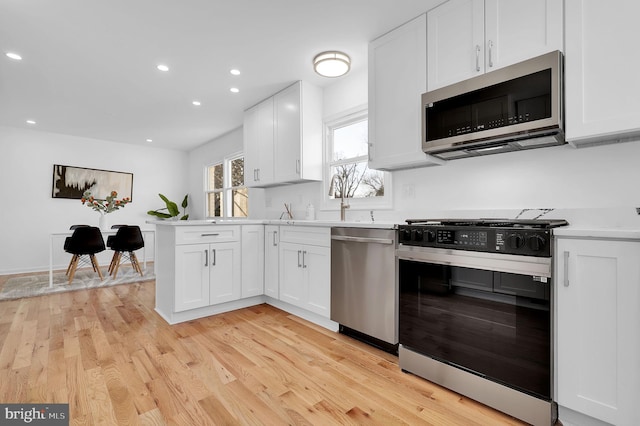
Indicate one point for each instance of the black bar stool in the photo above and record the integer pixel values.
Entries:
(85, 240)
(126, 241)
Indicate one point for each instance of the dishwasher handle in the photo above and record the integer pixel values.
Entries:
(362, 239)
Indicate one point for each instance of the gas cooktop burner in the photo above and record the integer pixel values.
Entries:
(492, 223)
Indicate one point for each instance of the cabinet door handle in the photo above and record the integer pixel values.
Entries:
(213, 260)
(304, 265)
(566, 269)
(258, 174)
(299, 264)
(477, 58)
(490, 59)
(206, 258)
(275, 235)
(298, 166)
(209, 235)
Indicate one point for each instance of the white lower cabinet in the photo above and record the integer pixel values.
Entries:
(204, 270)
(305, 268)
(598, 330)
(208, 274)
(198, 270)
(272, 261)
(252, 260)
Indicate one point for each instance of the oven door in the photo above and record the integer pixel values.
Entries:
(488, 314)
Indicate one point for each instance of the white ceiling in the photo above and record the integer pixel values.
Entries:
(89, 66)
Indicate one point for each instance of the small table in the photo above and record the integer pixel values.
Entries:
(105, 235)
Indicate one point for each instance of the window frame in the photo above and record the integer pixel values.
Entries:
(227, 188)
(343, 119)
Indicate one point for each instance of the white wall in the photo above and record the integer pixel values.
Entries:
(29, 214)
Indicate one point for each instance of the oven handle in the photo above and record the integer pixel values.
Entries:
(516, 264)
(362, 239)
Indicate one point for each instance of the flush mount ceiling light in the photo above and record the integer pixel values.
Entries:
(332, 63)
(162, 67)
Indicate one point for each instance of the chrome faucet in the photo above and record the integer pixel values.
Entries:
(332, 191)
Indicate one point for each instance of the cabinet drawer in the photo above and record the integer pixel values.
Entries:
(311, 235)
(207, 234)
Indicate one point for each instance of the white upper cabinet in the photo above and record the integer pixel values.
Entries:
(397, 79)
(283, 137)
(601, 70)
(455, 42)
(258, 144)
(466, 38)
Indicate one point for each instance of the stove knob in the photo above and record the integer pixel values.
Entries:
(515, 241)
(431, 236)
(536, 243)
(405, 235)
(417, 235)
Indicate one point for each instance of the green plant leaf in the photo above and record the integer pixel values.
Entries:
(159, 214)
(185, 217)
(173, 208)
(185, 201)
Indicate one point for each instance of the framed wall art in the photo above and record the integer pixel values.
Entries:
(72, 182)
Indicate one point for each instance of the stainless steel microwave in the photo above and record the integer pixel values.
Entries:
(513, 108)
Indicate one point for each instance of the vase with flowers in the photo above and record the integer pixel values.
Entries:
(108, 205)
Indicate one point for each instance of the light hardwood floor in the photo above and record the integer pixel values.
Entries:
(115, 361)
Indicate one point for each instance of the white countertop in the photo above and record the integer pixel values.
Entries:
(292, 222)
(612, 233)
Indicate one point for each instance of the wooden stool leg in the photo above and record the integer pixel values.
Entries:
(113, 262)
(117, 265)
(96, 267)
(134, 263)
(73, 258)
(73, 266)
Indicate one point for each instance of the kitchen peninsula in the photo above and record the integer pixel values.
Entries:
(206, 267)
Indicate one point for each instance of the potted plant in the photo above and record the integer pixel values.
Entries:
(171, 210)
(108, 205)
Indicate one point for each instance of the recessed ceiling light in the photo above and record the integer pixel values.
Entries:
(235, 71)
(196, 103)
(332, 64)
(234, 90)
(31, 122)
(162, 67)
(14, 56)
(149, 140)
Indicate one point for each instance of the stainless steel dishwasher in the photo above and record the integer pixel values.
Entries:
(364, 293)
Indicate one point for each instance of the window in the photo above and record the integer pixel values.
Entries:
(225, 192)
(348, 173)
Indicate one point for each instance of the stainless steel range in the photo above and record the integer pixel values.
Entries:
(475, 310)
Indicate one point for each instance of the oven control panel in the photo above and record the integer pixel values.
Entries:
(525, 242)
